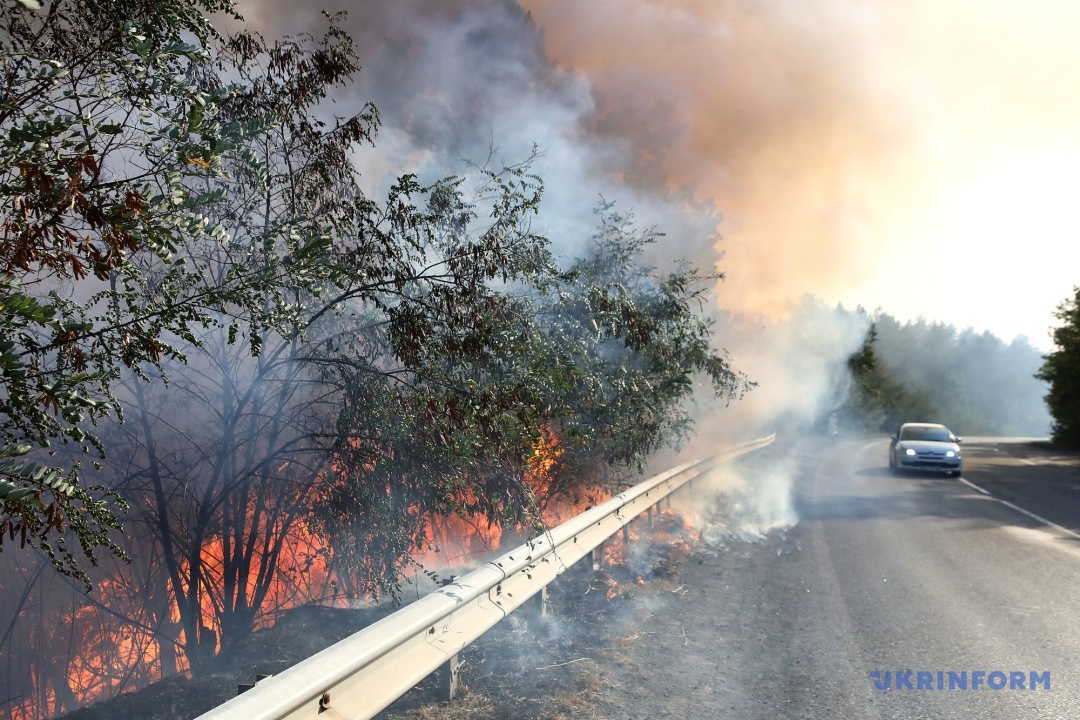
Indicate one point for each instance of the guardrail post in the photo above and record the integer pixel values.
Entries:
(626, 535)
(594, 556)
(244, 687)
(542, 602)
(650, 511)
(448, 678)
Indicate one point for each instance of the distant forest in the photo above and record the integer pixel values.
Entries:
(975, 383)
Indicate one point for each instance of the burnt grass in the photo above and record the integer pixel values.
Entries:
(525, 667)
(561, 666)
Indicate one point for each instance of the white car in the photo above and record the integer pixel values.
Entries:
(923, 446)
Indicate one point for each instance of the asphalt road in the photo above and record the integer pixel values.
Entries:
(881, 573)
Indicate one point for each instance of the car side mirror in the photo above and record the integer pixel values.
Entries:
(957, 439)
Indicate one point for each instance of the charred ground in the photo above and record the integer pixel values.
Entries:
(525, 667)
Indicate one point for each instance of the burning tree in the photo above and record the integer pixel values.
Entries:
(120, 145)
(221, 464)
(307, 377)
(636, 341)
(104, 140)
(585, 372)
(225, 461)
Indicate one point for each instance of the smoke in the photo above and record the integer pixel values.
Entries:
(808, 136)
(800, 366)
(745, 505)
(839, 136)
(798, 362)
(463, 83)
(673, 111)
(772, 110)
(974, 382)
(676, 112)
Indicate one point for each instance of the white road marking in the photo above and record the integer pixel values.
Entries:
(1033, 516)
(1019, 509)
(974, 486)
(1027, 462)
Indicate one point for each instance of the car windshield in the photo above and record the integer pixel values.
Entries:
(935, 434)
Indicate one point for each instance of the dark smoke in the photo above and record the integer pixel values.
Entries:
(470, 82)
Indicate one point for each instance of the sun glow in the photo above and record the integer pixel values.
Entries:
(1008, 237)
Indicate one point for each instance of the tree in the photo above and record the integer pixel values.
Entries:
(878, 400)
(120, 146)
(1061, 369)
(931, 372)
(103, 137)
(340, 371)
(637, 342)
(598, 359)
(224, 462)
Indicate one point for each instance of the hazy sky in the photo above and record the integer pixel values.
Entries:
(922, 156)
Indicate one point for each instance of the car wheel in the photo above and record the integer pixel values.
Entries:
(892, 463)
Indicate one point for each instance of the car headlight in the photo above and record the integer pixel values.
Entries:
(909, 451)
(950, 453)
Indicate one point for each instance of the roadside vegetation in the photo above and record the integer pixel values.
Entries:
(232, 383)
(975, 383)
(1061, 370)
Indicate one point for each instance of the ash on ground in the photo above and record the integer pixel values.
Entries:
(525, 667)
(560, 666)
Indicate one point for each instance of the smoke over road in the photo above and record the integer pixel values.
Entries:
(688, 134)
(794, 149)
(834, 138)
(679, 114)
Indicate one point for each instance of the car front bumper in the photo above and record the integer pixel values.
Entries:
(930, 464)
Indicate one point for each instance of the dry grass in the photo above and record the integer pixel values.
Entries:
(567, 667)
(524, 668)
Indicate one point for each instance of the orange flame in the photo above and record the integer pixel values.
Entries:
(117, 654)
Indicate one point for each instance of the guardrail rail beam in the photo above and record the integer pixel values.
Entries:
(362, 674)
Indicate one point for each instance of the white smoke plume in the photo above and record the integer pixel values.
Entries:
(458, 82)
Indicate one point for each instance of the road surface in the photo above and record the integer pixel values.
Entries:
(881, 574)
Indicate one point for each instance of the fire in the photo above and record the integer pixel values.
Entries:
(126, 634)
(90, 651)
(460, 541)
(84, 650)
(302, 577)
(616, 550)
(646, 550)
(453, 541)
(556, 499)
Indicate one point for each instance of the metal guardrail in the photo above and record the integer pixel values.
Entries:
(362, 674)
